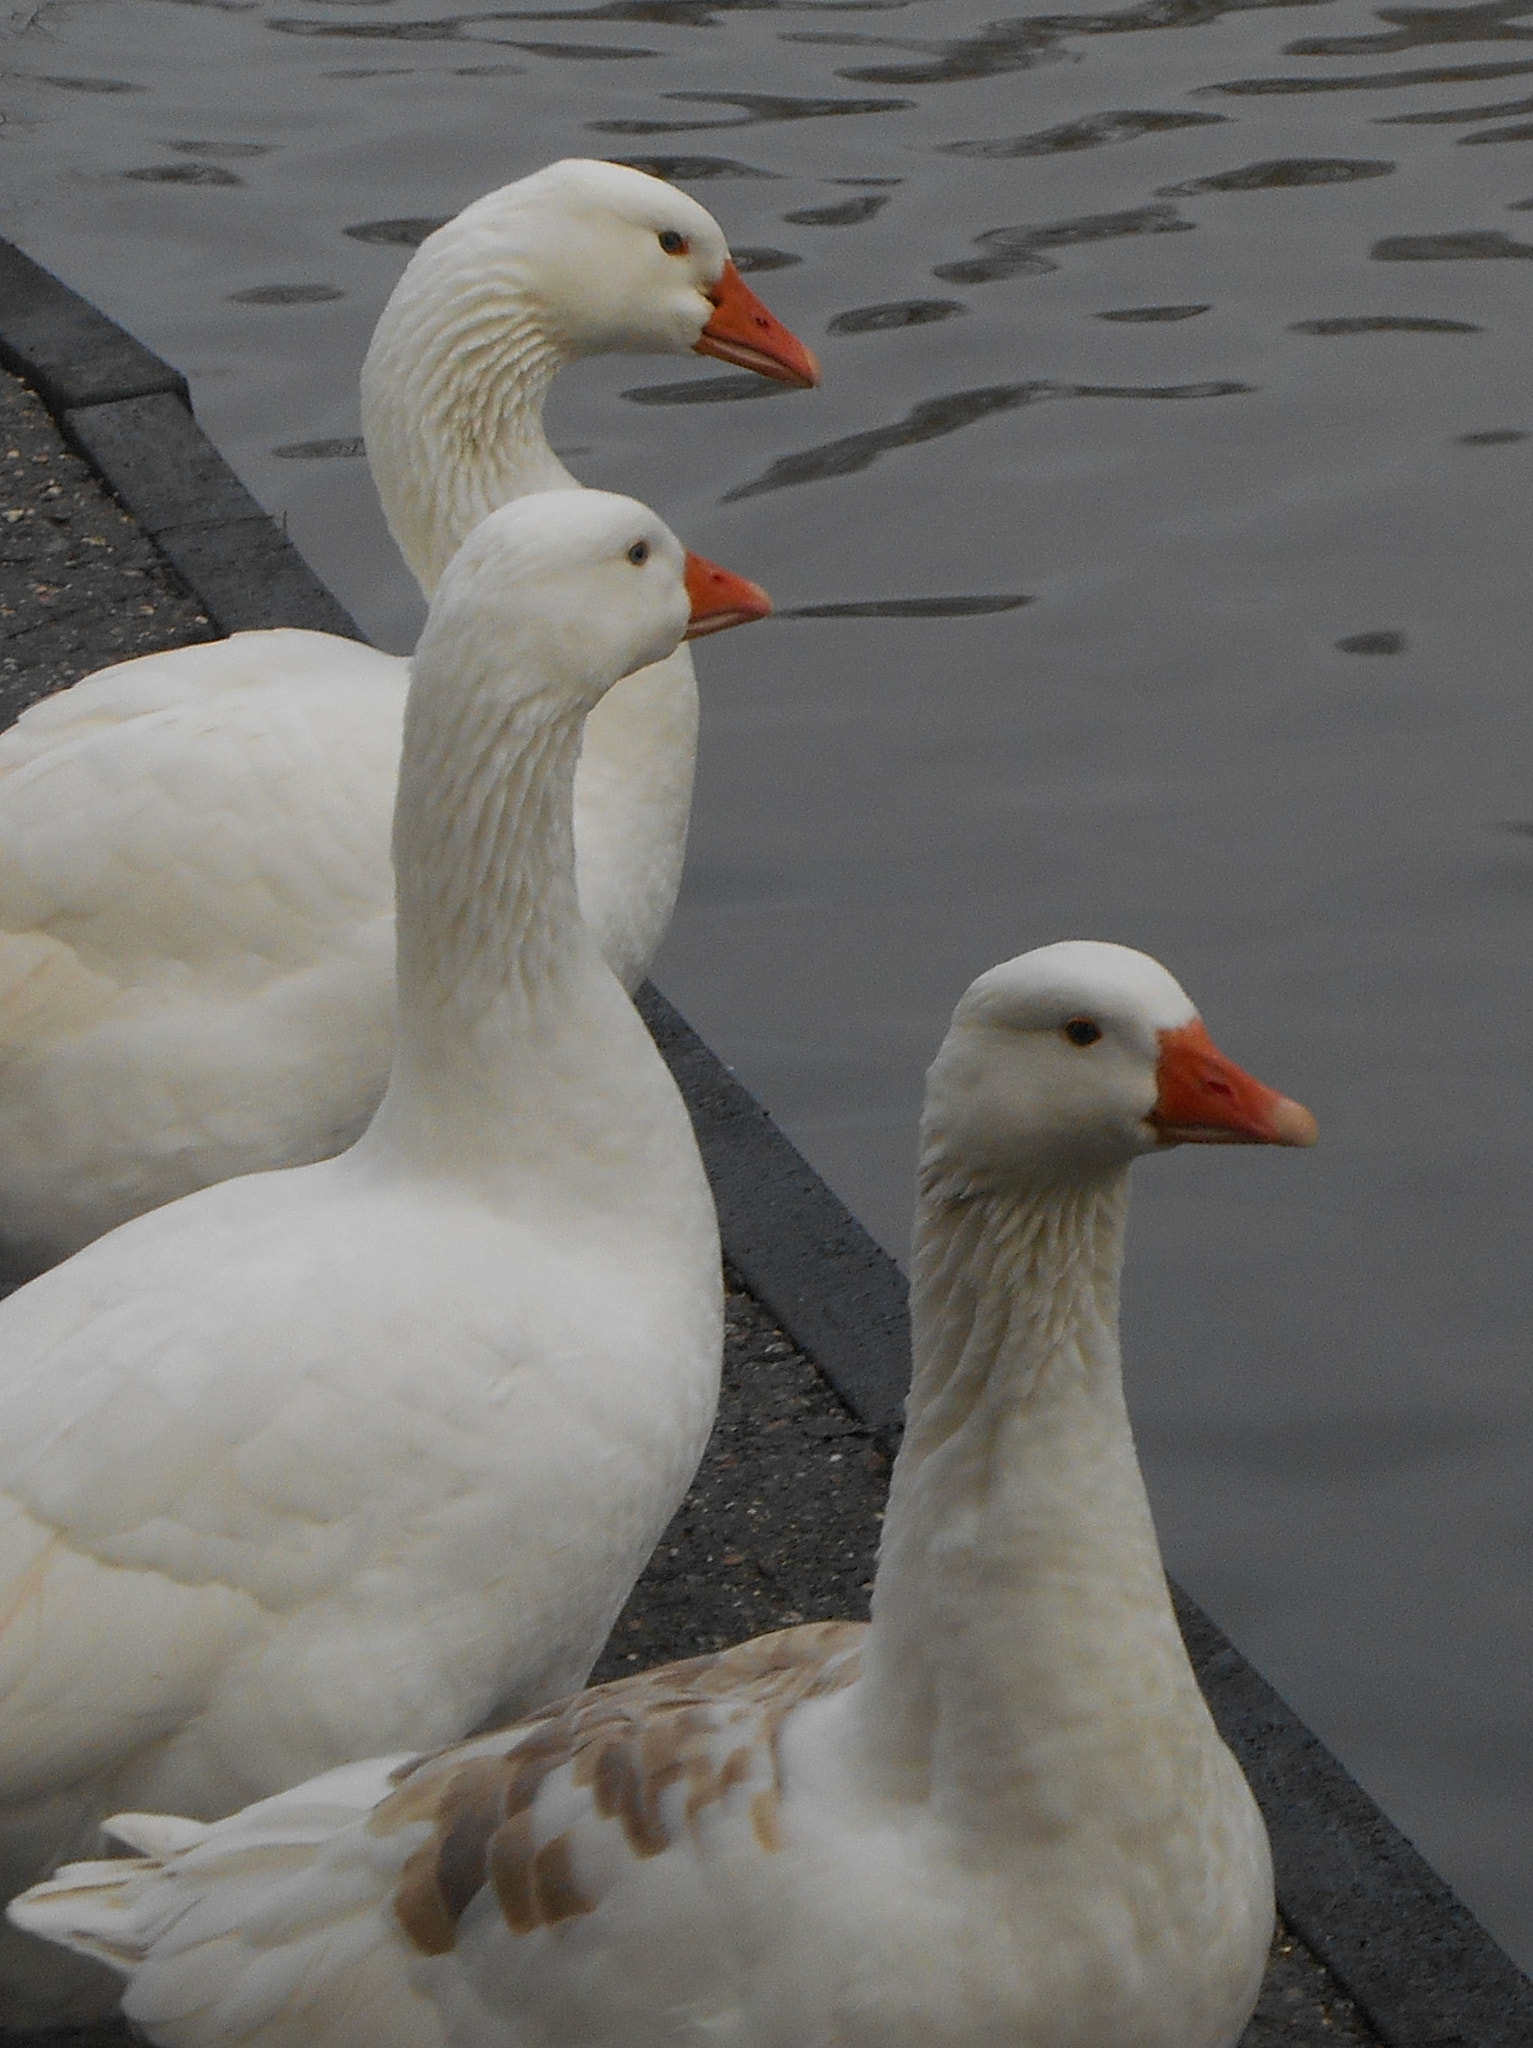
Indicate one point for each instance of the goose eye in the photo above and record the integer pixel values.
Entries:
(638, 554)
(1083, 1031)
(672, 243)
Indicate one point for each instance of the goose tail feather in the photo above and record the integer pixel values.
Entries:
(266, 1930)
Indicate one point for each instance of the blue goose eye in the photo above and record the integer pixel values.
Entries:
(638, 554)
(672, 243)
(1083, 1031)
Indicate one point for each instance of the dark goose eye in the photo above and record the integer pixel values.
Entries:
(1083, 1031)
(638, 554)
(672, 243)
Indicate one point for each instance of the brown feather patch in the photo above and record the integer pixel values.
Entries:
(511, 1864)
(628, 1745)
(764, 1819)
(559, 1896)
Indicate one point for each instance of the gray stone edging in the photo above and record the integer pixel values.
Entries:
(1417, 1962)
(130, 416)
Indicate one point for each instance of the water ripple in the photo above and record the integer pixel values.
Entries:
(846, 213)
(1383, 323)
(1418, 28)
(93, 84)
(1474, 244)
(933, 417)
(1091, 131)
(909, 608)
(183, 174)
(699, 13)
(1154, 312)
(755, 107)
(397, 234)
(895, 313)
(1459, 116)
(450, 28)
(1019, 251)
(1002, 46)
(1373, 643)
(287, 295)
(690, 169)
(1371, 81)
(748, 260)
(1521, 131)
(1280, 173)
(236, 150)
(707, 391)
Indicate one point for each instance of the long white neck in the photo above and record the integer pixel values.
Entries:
(520, 1066)
(452, 399)
(1024, 1668)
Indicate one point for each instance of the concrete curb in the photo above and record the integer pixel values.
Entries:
(130, 416)
(1398, 1941)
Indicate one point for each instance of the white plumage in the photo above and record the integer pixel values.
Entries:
(195, 897)
(342, 1459)
(999, 1814)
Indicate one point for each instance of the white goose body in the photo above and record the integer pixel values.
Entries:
(999, 1816)
(196, 902)
(349, 1457)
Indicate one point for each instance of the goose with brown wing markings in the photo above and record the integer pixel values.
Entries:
(998, 1814)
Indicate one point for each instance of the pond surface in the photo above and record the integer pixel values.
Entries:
(1155, 567)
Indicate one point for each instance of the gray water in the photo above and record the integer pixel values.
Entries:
(1201, 328)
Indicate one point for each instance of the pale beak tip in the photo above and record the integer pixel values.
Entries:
(1292, 1124)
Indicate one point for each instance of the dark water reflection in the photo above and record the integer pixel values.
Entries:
(936, 416)
(754, 107)
(1018, 252)
(1088, 133)
(907, 608)
(1242, 678)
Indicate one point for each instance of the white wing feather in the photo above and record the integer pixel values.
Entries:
(267, 1927)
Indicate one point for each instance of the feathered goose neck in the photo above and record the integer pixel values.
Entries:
(561, 264)
(513, 1038)
(1024, 1669)
(1021, 1603)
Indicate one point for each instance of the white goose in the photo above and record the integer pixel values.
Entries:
(348, 1457)
(998, 1814)
(196, 908)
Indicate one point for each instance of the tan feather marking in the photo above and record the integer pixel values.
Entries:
(735, 1770)
(423, 1918)
(511, 1863)
(442, 1877)
(628, 1744)
(764, 1819)
(559, 1896)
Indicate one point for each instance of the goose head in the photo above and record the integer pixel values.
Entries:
(1068, 1063)
(558, 596)
(619, 261)
(582, 258)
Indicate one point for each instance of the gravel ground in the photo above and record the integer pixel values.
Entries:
(80, 585)
(782, 1522)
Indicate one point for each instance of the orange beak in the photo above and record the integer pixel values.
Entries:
(1205, 1099)
(721, 599)
(743, 331)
